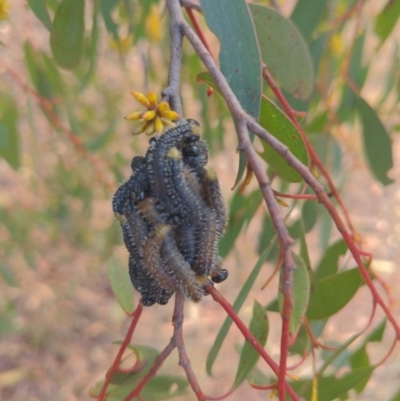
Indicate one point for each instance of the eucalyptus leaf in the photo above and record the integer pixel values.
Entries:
(377, 142)
(278, 125)
(39, 7)
(67, 40)
(239, 56)
(249, 356)
(333, 293)
(121, 285)
(9, 134)
(300, 295)
(284, 51)
(387, 19)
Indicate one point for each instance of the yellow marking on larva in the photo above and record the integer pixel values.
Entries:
(195, 127)
(211, 175)
(202, 279)
(121, 218)
(174, 154)
(163, 230)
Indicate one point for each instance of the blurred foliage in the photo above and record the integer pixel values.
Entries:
(61, 130)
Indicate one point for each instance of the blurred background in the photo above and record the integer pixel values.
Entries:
(70, 149)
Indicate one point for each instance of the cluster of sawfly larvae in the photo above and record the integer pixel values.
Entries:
(172, 215)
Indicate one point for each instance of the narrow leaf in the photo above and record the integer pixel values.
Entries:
(249, 356)
(278, 125)
(239, 55)
(357, 73)
(387, 19)
(328, 264)
(300, 294)
(306, 15)
(9, 136)
(163, 387)
(219, 339)
(121, 285)
(284, 51)
(67, 40)
(107, 7)
(40, 9)
(241, 212)
(330, 387)
(377, 142)
(144, 358)
(332, 293)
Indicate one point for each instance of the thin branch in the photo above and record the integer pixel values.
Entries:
(209, 286)
(117, 360)
(172, 92)
(180, 344)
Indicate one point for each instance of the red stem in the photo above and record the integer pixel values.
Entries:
(121, 351)
(197, 28)
(157, 364)
(247, 334)
(314, 157)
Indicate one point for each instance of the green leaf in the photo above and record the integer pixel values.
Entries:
(121, 284)
(91, 51)
(67, 41)
(107, 7)
(331, 387)
(278, 125)
(40, 9)
(332, 293)
(387, 19)
(8, 275)
(239, 55)
(357, 73)
(300, 294)
(144, 359)
(328, 264)
(242, 210)
(306, 15)
(244, 292)
(302, 342)
(377, 142)
(249, 356)
(9, 136)
(162, 387)
(396, 397)
(284, 51)
(309, 215)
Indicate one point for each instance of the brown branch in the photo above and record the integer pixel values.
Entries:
(180, 344)
(172, 92)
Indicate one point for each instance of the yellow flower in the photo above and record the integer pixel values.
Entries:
(155, 118)
(4, 6)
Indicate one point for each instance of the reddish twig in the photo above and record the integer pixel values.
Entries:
(247, 334)
(157, 364)
(315, 160)
(117, 360)
(315, 343)
(295, 196)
